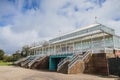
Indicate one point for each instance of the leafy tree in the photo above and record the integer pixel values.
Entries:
(1, 54)
(25, 51)
(16, 55)
(8, 58)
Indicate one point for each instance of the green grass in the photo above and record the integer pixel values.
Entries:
(5, 63)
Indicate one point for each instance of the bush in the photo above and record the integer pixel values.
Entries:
(8, 58)
(1, 54)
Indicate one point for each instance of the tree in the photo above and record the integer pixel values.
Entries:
(16, 55)
(25, 51)
(8, 58)
(1, 54)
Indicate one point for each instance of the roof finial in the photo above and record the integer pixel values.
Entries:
(96, 19)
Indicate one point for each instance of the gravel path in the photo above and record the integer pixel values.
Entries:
(18, 73)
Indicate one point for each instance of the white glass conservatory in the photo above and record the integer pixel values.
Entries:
(96, 37)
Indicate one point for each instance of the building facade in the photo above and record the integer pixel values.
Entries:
(92, 49)
(96, 37)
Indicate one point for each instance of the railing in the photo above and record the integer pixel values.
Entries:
(78, 57)
(33, 61)
(41, 58)
(27, 61)
(62, 63)
(36, 60)
(75, 58)
(61, 53)
(20, 60)
(85, 55)
(108, 50)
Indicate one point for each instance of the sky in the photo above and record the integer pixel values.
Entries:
(24, 22)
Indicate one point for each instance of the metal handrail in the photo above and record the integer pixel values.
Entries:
(27, 61)
(78, 57)
(74, 60)
(20, 60)
(66, 59)
(61, 53)
(34, 60)
(62, 63)
(84, 56)
(41, 58)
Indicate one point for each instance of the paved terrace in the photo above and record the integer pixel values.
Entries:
(17, 73)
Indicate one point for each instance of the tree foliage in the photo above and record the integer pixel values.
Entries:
(2, 53)
(16, 55)
(25, 51)
(7, 58)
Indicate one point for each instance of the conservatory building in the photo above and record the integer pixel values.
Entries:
(91, 49)
(95, 37)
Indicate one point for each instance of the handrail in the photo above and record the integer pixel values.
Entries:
(84, 56)
(37, 60)
(20, 60)
(27, 61)
(78, 57)
(62, 63)
(74, 60)
(61, 53)
(41, 58)
(34, 60)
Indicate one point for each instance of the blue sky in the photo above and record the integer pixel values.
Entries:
(26, 21)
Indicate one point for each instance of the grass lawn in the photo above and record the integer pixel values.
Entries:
(5, 63)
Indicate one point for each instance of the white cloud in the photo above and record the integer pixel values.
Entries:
(11, 41)
(51, 17)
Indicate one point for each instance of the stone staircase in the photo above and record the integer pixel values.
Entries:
(25, 63)
(34, 61)
(42, 62)
(62, 63)
(18, 62)
(64, 68)
(75, 64)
